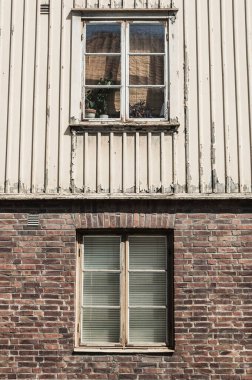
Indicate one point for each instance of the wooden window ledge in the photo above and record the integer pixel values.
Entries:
(130, 126)
(113, 350)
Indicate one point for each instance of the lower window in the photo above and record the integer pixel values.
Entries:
(125, 292)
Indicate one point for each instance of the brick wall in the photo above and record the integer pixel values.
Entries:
(213, 296)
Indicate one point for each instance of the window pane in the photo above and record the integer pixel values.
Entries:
(147, 325)
(147, 289)
(146, 70)
(103, 38)
(147, 252)
(101, 325)
(101, 289)
(102, 252)
(146, 102)
(147, 38)
(105, 101)
(106, 67)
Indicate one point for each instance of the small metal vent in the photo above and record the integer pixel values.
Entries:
(33, 220)
(44, 9)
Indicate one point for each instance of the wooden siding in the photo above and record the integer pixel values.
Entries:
(210, 95)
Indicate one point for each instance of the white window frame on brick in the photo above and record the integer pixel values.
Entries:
(77, 101)
(124, 344)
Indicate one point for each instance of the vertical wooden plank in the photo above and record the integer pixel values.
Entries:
(117, 162)
(140, 3)
(177, 96)
(26, 123)
(73, 161)
(15, 89)
(242, 98)
(53, 97)
(92, 3)
(152, 4)
(143, 162)
(76, 59)
(64, 140)
(149, 162)
(167, 164)
(85, 157)
(216, 98)
(162, 158)
(174, 163)
(116, 3)
(79, 167)
(248, 15)
(80, 3)
(128, 4)
(186, 104)
(5, 20)
(98, 163)
(92, 163)
(111, 162)
(156, 163)
(137, 169)
(40, 102)
(104, 173)
(191, 92)
(164, 4)
(203, 96)
(229, 103)
(124, 162)
(104, 3)
(130, 172)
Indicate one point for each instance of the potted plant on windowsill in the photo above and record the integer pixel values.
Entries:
(90, 110)
(96, 100)
(140, 110)
(102, 98)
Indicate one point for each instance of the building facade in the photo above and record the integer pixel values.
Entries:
(125, 241)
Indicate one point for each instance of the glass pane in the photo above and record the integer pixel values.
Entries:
(103, 38)
(147, 252)
(101, 289)
(146, 70)
(147, 289)
(105, 69)
(146, 102)
(147, 325)
(101, 325)
(102, 101)
(102, 252)
(147, 38)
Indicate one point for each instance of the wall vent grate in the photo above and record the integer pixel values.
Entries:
(44, 9)
(33, 220)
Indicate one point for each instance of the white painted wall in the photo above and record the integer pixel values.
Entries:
(211, 48)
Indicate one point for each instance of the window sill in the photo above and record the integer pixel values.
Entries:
(130, 126)
(135, 350)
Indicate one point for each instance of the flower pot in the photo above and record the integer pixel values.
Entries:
(103, 116)
(90, 113)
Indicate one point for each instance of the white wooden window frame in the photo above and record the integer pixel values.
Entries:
(77, 69)
(124, 345)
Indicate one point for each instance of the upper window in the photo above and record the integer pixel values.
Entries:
(125, 70)
(125, 291)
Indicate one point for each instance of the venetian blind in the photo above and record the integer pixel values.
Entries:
(147, 289)
(101, 289)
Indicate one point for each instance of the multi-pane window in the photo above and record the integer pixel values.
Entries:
(125, 292)
(125, 71)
